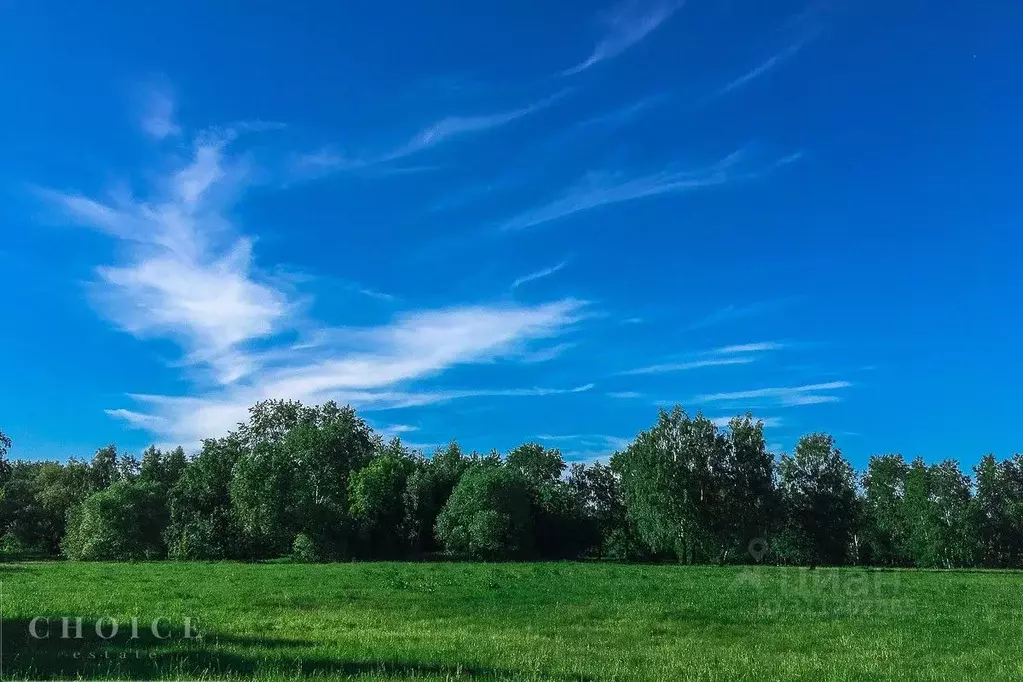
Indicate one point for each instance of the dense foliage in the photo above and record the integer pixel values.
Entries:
(316, 484)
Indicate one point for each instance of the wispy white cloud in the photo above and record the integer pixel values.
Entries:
(187, 273)
(587, 448)
(627, 23)
(187, 420)
(372, 368)
(625, 395)
(734, 312)
(421, 343)
(808, 394)
(748, 348)
(539, 274)
(394, 430)
(400, 428)
(601, 123)
(323, 160)
(737, 354)
(545, 354)
(762, 68)
(620, 115)
(455, 126)
(596, 190)
(588, 457)
(347, 285)
(684, 366)
(328, 159)
(768, 422)
(617, 443)
(138, 419)
(548, 147)
(810, 399)
(158, 117)
(373, 293)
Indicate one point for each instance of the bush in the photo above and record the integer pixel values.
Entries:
(303, 550)
(12, 546)
(487, 515)
(210, 537)
(124, 522)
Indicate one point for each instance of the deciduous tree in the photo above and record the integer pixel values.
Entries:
(122, 522)
(818, 490)
(672, 480)
(884, 511)
(378, 502)
(487, 515)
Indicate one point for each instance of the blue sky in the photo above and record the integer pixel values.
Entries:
(513, 221)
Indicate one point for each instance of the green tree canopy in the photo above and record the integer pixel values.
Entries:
(885, 534)
(671, 477)
(487, 515)
(202, 524)
(818, 490)
(428, 489)
(122, 522)
(379, 503)
(292, 475)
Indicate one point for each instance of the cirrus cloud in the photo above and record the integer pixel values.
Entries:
(187, 272)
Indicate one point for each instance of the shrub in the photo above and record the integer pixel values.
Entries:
(487, 515)
(303, 550)
(124, 522)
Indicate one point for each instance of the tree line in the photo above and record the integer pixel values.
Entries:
(317, 484)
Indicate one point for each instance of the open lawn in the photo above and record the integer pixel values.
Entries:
(553, 621)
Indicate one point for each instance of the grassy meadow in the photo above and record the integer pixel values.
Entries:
(540, 621)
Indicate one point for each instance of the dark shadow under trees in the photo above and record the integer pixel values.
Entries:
(208, 655)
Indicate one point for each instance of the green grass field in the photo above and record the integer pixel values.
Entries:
(556, 621)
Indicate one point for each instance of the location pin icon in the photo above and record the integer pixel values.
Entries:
(757, 548)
